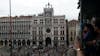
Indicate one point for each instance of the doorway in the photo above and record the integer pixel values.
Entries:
(48, 41)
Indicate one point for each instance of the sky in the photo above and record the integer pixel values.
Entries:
(31, 7)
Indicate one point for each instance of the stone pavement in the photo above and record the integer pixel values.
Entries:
(25, 51)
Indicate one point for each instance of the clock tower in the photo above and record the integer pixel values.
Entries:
(48, 10)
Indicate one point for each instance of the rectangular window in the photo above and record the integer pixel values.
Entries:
(34, 33)
(62, 38)
(62, 32)
(55, 32)
(34, 38)
(48, 20)
(55, 21)
(40, 33)
(62, 27)
(61, 21)
(35, 21)
(40, 28)
(41, 21)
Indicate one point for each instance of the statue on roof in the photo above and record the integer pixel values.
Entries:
(48, 5)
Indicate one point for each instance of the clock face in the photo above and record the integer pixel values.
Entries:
(48, 14)
(48, 30)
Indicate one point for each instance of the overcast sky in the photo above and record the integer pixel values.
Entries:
(30, 7)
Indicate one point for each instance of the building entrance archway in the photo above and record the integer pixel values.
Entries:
(48, 41)
(28, 42)
(1, 42)
(23, 42)
(19, 42)
(6, 42)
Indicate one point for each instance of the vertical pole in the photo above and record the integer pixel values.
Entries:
(10, 26)
(81, 20)
(10, 8)
(81, 15)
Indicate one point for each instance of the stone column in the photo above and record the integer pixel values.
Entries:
(43, 43)
(37, 43)
(52, 43)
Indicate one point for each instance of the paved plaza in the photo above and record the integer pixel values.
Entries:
(29, 51)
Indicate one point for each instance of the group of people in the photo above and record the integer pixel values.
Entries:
(90, 44)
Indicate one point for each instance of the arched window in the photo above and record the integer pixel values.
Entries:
(71, 39)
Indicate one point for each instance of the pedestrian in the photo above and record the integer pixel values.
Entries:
(97, 39)
(86, 48)
(88, 36)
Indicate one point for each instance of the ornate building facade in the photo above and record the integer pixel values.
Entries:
(45, 29)
(19, 31)
(73, 30)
